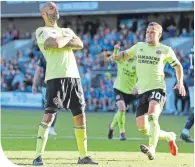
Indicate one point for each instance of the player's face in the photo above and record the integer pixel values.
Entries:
(152, 35)
(52, 12)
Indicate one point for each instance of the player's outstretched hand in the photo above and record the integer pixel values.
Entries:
(34, 89)
(117, 46)
(180, 87)
(115, 56)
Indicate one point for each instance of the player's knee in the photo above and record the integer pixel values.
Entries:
(48, 118)
(121, 106)
(144, 131)
(78, 110)
(80, 119)
(122, 110)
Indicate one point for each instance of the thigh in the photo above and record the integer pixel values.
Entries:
(53, 98)
(118, 95)
(120, 100)
(157, 98)
(77, 100)
(154, 108)
(143, 104)
(129, 98)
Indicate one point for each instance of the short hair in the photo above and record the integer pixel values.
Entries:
(42, 5)
(159, 27)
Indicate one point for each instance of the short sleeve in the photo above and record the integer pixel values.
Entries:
(171, 58)
(42, 35)
(119, 61)
(68, 31)
(40, 62)
(131, 52)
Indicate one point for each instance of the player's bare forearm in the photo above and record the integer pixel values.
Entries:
(180, 86)
(36, 79)
(120, 56)
(59, 42)
(179, 73)
(75, 43)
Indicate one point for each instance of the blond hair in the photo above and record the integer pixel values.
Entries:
(158, 26)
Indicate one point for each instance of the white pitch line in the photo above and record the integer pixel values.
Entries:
(63, 137)
(23, 136)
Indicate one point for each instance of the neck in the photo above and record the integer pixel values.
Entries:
(153, 43)
(49, 24)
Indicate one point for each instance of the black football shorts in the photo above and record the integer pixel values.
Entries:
(158, 95)
(64, 93)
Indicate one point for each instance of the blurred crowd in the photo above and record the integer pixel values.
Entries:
(10, 34)
(97, 76)
(185, 27)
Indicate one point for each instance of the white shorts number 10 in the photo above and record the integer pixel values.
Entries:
(156, 95)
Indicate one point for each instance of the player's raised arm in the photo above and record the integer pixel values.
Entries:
(124, 55)
(117, 55)
(174, 62)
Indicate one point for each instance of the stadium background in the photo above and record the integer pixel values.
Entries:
(100, 25)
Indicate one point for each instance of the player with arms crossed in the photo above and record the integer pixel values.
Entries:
(41, 64)
(64, 89)
(123, 88)
(151, 59)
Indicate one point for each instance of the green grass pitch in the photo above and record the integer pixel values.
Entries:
(19, 130)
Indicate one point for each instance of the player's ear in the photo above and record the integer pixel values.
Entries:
(160, 34)
(43, 14)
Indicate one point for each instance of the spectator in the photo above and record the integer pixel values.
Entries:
(184, 33)
(183, 23)
(93, 99)
(169, 26)
(22, 87)
(110, 98)
(18, 79)
(4, 87)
